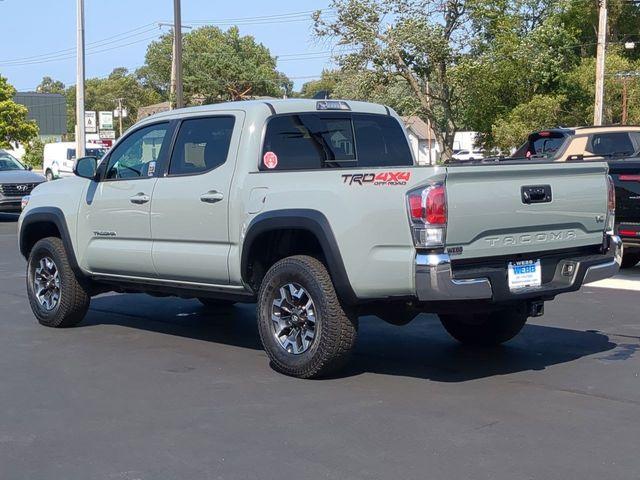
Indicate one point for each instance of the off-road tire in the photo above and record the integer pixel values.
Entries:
(484, 329)
(215, 303)
(630, 259)
(74, 299)
(336, 330)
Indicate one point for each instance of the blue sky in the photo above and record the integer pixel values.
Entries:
(38, 36)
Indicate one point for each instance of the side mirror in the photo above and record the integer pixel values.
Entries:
(86, 167)
(29, 168)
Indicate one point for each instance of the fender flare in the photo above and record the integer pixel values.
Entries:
(312, 221)
(54, 216)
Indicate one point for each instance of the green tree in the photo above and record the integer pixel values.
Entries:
(14, 125)
(217, 66)
(579, 89)
(542, 111)
(415, 41)
(49, 85)
(34, 153)
(326, 83)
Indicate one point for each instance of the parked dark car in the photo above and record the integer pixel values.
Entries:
(626, 177)
(16, 182)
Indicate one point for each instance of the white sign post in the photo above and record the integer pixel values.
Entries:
(107, 134)
(106, 120)
(90, 123)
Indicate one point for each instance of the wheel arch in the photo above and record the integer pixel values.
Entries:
(42, 222)
(312, 224)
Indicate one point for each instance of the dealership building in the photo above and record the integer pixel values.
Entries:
(49, 110)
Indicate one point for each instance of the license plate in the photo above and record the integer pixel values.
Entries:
(525, 274)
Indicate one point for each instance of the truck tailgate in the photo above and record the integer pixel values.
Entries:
(489, 214)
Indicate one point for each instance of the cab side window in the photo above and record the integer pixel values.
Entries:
(136, 155)
(611, 143)
(202, 144)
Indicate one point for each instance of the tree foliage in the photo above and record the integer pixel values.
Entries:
(49, 85)
(34, 153)
(326, 83)
(217, 66)
(498, 67)
(14, 125)
(415, 41)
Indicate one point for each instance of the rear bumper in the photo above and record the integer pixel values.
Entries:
(630, 242)
(436, 281)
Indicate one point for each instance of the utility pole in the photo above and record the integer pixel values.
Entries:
(429, 139)
(602, 38)
(625, 78)
(80, 136)
(176, 64)
(625, 81)
(119, 116)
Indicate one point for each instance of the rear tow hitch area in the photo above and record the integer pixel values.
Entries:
(536, 309)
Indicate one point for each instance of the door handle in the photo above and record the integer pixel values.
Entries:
(139, 199)
(211, 197)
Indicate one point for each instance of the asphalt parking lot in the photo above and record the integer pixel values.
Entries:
(156, 389)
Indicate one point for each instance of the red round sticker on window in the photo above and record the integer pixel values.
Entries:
(270, 160)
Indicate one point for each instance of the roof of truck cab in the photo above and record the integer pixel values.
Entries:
(268, 107)
(608, 128)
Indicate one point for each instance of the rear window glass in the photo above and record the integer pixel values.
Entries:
(332, 140)
(89, 152)
(610, 143)
(547, 146)
(381, 142)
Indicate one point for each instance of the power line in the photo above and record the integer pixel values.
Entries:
(95, 44)
(71, 56)
(276, 18)
(306, 14)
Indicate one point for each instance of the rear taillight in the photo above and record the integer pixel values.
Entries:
(629, 178)
(628, 233)
(611, 205)
(428, 215)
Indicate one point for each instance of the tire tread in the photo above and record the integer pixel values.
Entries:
(339, 328)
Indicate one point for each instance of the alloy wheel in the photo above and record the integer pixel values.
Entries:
(293, 318)
(46, 283)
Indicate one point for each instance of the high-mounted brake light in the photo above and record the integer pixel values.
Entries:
(428, 215)
(332, 105)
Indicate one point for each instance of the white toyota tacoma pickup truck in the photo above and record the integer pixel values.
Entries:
(316, 211)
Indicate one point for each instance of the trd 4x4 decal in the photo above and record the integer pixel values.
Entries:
(382, 178)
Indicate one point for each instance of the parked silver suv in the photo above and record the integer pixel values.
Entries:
(16, 182)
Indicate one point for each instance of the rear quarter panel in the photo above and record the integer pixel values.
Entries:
(369, 221)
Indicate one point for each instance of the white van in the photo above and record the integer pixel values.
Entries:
(60, 158)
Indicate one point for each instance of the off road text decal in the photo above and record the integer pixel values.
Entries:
(382, 178)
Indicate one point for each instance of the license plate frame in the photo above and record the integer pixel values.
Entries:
(524, 274)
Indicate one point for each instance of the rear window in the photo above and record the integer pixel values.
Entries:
(89, 152)
(333, 140)
(547, 146)
(381, 142)
(611, 143)
(542, 144)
